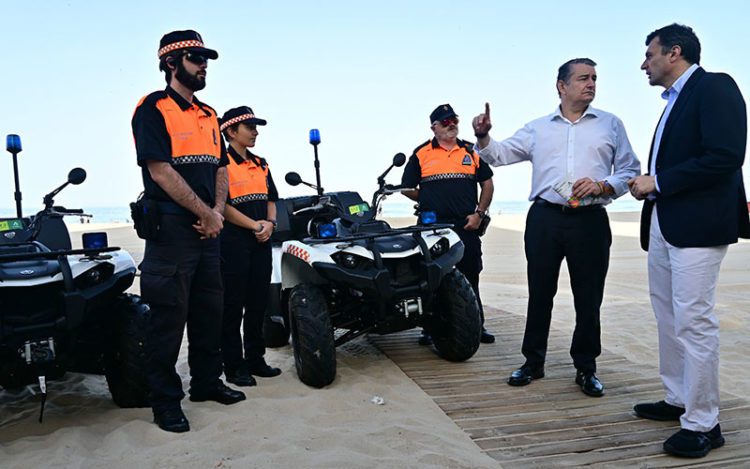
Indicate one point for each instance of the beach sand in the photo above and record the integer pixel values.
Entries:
(284, 423)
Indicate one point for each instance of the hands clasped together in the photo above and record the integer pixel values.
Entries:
(210, 225)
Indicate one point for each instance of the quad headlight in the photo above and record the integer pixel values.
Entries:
(95, 276)
(352, 261)
(440, 247)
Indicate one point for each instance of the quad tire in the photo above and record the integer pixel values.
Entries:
(276, 323)
(126, 364)
(312, 336)
(455, 326)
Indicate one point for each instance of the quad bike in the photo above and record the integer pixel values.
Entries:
(64, 309)
(345, 273)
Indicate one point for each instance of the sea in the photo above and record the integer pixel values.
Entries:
(391, 208)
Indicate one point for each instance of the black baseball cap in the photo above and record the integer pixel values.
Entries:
(189, 40)
(237, 115)
(442, 112)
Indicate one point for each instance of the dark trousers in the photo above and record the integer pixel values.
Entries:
(246, 291)
(583, 239)
(181, 282)
(471, 263)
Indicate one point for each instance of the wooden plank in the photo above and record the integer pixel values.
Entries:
(550, 422)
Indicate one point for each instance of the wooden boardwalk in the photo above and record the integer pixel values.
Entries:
(551, 423)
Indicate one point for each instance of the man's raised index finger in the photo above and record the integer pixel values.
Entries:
(487, 109)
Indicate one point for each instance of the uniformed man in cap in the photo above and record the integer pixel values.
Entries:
(446, 171)
(183, 159)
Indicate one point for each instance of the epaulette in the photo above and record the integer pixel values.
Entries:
(258, 160)
(468, 145)
(428, 142)
(153, 98)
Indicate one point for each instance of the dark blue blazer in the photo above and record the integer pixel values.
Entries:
(702, 200)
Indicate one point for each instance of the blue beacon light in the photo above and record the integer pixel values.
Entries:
(314, 136)
(327, 230)
(13, 143)
(428, 217)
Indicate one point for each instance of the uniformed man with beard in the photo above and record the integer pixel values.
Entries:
(183, 159)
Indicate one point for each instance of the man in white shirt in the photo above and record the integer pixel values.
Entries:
(581, 159)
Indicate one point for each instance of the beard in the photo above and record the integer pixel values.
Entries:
(192, 82)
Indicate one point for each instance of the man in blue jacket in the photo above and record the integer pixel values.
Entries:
(695, 206)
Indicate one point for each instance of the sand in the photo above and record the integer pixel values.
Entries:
(287, 424)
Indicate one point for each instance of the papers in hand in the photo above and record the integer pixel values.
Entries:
(565, 190)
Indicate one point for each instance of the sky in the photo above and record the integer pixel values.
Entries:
(366, 74)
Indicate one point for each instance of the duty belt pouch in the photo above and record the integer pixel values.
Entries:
(146, 218)
(483, 224)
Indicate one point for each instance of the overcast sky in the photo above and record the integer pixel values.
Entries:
(367, 74)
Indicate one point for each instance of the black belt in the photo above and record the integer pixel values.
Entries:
(568, 209)
(171, 208)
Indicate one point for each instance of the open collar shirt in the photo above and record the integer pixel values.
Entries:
(595, 146)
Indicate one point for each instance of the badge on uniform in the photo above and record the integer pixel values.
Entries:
(467, 160)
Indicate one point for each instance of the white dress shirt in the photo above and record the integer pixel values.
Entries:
(594, 146)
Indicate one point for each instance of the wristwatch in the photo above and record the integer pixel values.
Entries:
(481, 213)
(275, 225)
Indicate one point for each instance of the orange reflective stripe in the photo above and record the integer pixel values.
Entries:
(193, 134)
(247, 181)
(438, 163)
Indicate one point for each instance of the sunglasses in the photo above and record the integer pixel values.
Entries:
(450, 121)
(196, 57)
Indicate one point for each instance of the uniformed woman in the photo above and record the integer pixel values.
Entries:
(250, 218)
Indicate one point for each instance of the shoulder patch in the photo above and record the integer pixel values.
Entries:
(467, 160)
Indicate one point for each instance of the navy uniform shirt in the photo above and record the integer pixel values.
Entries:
(168, 128)
(447, 179)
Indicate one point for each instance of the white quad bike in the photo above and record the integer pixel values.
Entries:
(64, 309)
(344, 273)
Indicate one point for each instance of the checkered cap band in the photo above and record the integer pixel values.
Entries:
(235, 120)
(179, 45)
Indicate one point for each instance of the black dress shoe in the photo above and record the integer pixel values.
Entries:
(172, 420)
(692, 444)
(486, 337)
(525, 374)
(658, 411)
(425, 339)
(221, 394)
(589, 383)
(262, 369)
(241, 377)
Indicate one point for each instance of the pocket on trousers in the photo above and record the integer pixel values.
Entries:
(159, 283)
